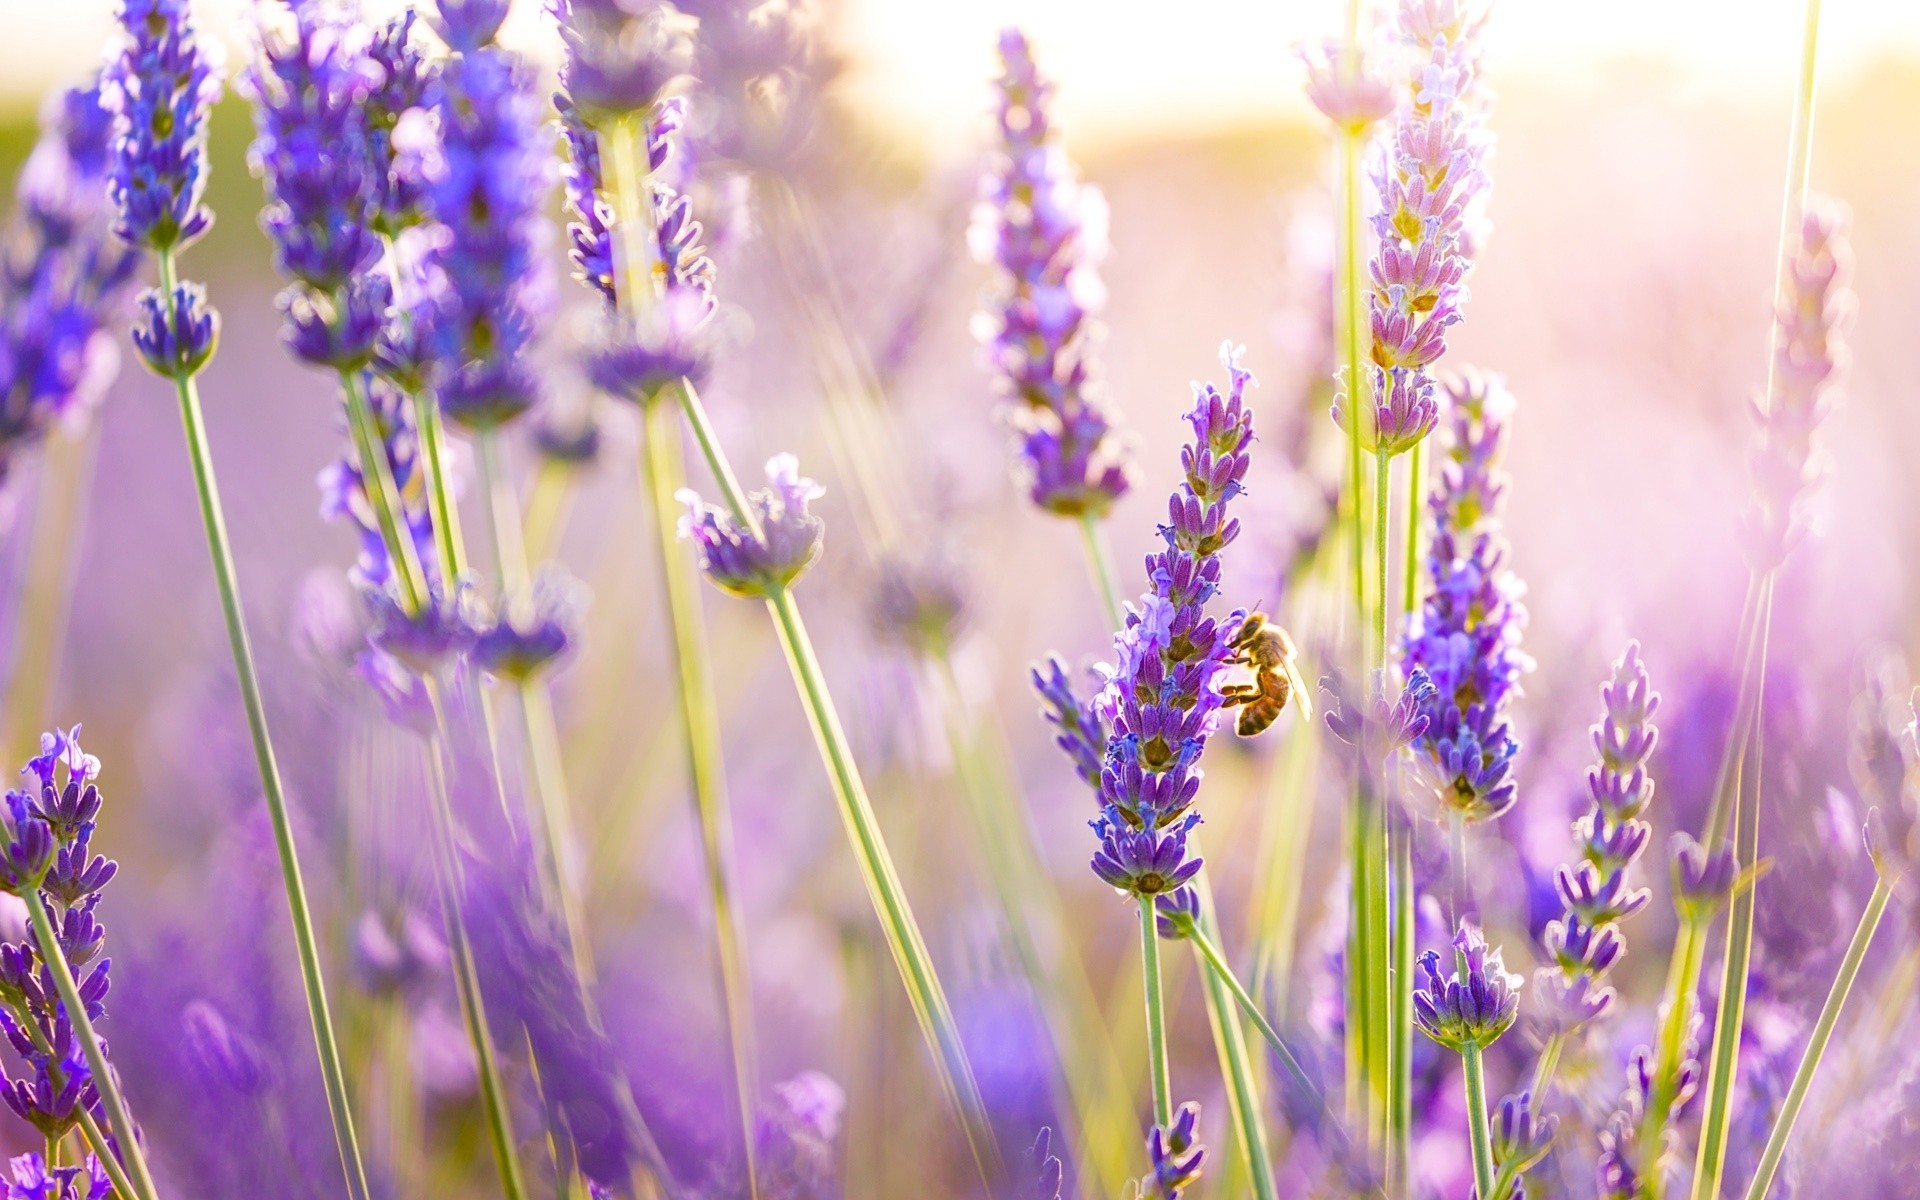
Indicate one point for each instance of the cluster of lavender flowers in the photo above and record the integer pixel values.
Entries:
(1162, 697)
(1584, 942)
(49, 851)
(1047, 233)
(1808, 358)
(1430, 180)
(1466, 636)
(62, 276)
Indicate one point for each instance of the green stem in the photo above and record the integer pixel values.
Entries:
(1090, 1079)
(1216, 961)
(1477, 1129)
(473, 1010)
(1546, 1067)
(1103, 574)
(1710, 1161)
(46, 586)
(1400, 1118)
(1683, 980)
(383, 495)
(1416, 508)
(883, 884)
(1817, 1043)
(1156, 1015)
(551, 812)
(104, 1079)
(1236, 1065)
(700, 722)
(446, 514)
(547, 506)
(220, 550)
(1382, 530)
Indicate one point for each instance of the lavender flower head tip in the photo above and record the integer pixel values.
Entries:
(1702, 880)
(1343, 85)
(1475, 1004)
(782, 541)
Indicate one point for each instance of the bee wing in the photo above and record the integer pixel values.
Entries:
(1302, 694)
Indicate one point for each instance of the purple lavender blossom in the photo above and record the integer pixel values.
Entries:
(397, 199)
(1350, 94)
(1177, 1157)
(1584, 941)
(176, 335)
(1621, 1157)
(1520, 1139)
(1474, 1005)
(532, 632)
(1162, 699)
(1081, 729)
(1808, 358)
(309, 87)
(1047, 233)
(1702, 881)
(49, 847)
(62, 277)
(794, 1141)
(32, 1179)
(1430, 179)
(761, 79)
(160, 86)
(1466, 636)
(619, 56)
(759, 561)
(1383, 728)
(485, 191)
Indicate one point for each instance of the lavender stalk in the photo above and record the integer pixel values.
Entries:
(161, 81)
(1887, 869)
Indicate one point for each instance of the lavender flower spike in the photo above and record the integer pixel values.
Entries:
(1474, 1005)
(781, 544)
(160, 87)
(1162, 699)
(1808, 358)
(1342, 85)
(1047, 233)
(1584, 941)
(1176, 1154)
(485, 190)
(1466, 636)
(62, 277)
(1430, 181)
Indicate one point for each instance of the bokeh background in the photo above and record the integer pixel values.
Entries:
(1624, 295)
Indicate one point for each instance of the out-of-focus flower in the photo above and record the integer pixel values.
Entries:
(160, 86)
(1047, 233)
(1702, 880)
(534, 630)
(424, 640)
(1520, 1140)
(620, 56)
(1466, 636)
(1176, 1154)
(1472, 1006)
(794, 1140)
(920, 602)
(1343, 85)
(762, 560)
(1080, 728)
(485, 191)
(1048, 1172)
(223, 1051)
(1808, 357)
(1383, 727)
(62, 276)
(761, 79)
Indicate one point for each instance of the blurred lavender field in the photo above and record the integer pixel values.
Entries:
(1624, 297)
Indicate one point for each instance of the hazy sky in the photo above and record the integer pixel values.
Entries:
(1127, 63)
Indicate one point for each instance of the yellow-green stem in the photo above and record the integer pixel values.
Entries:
(1400, 1016)
(700, 722)
(65, 476)
(473, 1009)
(1817, 1042)
(889, 898)
(383, 495)
(226, 578)
(104, 1080)
(446, 514)
(1156, 1015)
(1683, 979)
(1103, 574)
(1478, 1132)
(1236, 1066)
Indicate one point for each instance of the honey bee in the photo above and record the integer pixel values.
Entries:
(1266, 648)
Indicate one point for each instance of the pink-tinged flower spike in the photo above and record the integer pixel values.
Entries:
(1431, 180)
(1808, 357)
(762, 560)
(1346, 88)
(1046, 231)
